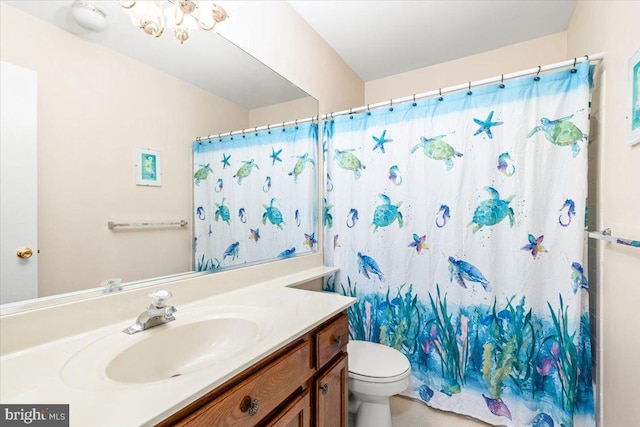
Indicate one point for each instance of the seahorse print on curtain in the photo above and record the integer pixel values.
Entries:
(453, 223)
(254, 196)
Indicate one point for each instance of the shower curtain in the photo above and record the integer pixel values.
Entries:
(254, 196)
(458, 224)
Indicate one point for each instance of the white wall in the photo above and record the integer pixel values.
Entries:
(612, 27)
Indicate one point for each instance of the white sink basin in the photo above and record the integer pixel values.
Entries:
(182, 350)
(197, 339)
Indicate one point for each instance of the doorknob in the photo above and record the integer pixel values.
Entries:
(24, 253)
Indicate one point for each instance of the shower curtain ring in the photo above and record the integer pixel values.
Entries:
(391, 105)
(469, 91)
(537, 77)
(501, 81)
(573, 70)
(283, 129)
(368, 110)
(256, 130)
(440, 92)
(414, 100)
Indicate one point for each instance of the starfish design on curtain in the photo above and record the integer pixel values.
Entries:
(381, 141)
(225, 160)
(486, 125)
(275, 156)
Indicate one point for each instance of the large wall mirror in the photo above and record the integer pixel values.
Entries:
(101, 99)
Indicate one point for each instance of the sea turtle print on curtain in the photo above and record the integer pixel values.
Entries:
(464, 255)
(254, 196)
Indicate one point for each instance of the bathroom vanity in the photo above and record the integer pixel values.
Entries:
(303, 384)
(264, 354)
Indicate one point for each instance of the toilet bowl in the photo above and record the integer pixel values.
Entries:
(376, 372)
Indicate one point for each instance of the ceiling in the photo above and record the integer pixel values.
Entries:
(381, 38)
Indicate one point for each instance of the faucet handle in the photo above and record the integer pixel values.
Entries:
(159, 298)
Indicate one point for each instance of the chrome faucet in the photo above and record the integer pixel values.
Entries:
(156, 314)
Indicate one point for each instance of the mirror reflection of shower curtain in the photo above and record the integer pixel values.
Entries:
(255, 196)
(458, 225)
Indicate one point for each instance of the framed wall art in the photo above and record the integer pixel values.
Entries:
(148, 167)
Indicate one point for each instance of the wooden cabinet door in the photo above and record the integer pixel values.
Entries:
(332, 395)
(296, 414)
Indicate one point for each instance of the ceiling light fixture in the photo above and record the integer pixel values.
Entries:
(88, 16)
(181, 16)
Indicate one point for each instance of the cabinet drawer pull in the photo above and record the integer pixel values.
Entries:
(249, 405)
(325, 388)
(337, 340)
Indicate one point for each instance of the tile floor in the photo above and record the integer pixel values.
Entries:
(407, 413)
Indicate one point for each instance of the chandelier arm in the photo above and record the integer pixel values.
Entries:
(176, 11)
(161, 29)
(205, 28)
(201, 24)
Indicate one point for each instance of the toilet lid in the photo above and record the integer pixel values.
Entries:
(376, 362)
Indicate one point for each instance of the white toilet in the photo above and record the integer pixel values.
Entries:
(376, 372)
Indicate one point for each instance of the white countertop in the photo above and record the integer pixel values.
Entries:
(35, 375)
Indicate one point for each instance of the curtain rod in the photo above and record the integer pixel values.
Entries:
(497, 79)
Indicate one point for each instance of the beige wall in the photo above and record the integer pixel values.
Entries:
(508, 59)
(94, 107)
(612, 27)
(283, 112)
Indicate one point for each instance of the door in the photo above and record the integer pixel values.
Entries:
(18, 183)
(332, 395)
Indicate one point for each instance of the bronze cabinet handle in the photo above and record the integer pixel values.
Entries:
(337, 340)
(324, 388)
(249, 405)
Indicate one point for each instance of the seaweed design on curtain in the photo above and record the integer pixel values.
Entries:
(255, 196)
(451, 222)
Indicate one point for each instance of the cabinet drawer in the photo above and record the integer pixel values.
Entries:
(331, 340)
(254, 398)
